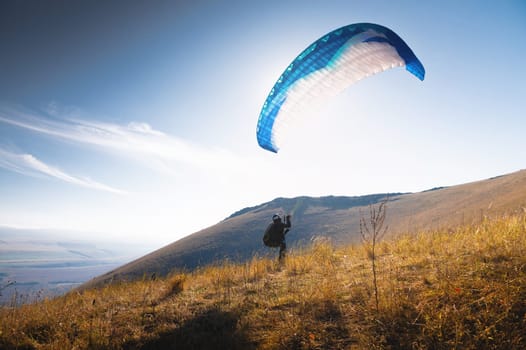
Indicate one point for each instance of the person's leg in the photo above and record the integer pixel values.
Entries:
(282, 249)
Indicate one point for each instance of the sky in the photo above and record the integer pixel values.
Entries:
(137, 120)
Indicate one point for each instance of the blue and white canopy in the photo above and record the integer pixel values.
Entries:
(326, 68)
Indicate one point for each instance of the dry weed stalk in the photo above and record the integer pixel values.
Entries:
(372, 231)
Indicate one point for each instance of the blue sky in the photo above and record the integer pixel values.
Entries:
(137, 119)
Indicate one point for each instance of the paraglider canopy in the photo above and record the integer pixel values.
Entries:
(327, 67)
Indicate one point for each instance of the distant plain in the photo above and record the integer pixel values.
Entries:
(38, 263)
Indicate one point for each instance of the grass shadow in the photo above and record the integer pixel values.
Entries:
(211, 329)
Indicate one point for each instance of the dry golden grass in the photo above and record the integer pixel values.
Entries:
(457, 289)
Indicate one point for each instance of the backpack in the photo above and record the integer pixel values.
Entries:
(272, 238)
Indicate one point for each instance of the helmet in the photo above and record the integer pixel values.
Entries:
(276, 217)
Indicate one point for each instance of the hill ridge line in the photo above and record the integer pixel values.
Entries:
(238, 237)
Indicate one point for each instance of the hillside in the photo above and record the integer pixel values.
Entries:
(239, 236)
(452, 289)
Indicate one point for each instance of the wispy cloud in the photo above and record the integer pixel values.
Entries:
(29, 165)
(138, 140)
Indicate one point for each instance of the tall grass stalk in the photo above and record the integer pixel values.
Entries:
(372, 230)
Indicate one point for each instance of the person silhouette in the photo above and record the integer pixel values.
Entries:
(275, 234)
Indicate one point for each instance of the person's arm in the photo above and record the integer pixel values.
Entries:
(288, 224)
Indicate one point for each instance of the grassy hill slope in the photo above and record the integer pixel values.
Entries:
(448, 289)
(239, 236)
